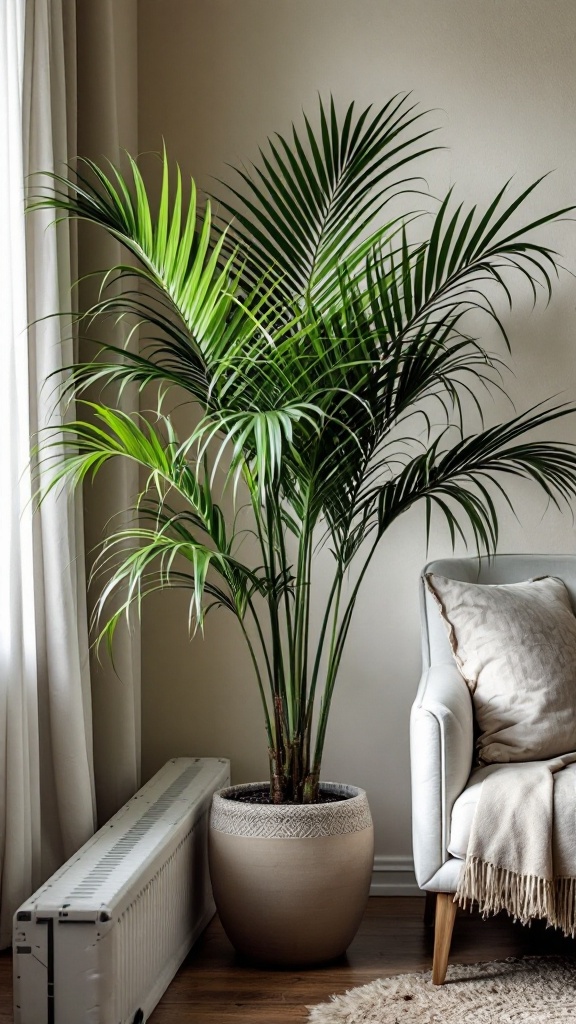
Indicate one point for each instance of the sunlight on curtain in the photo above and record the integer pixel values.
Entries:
(46, 775)
(19, 767)
(63, 679)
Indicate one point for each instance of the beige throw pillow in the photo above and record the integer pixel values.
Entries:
(515, 645)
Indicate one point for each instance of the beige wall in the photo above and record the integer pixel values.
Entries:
(215, 78)
(107, 39)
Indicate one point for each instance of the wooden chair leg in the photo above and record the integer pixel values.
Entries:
(445, 914)
(430, 909)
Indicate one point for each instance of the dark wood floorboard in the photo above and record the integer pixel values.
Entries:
(214, 987)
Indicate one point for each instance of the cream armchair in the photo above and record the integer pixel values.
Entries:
(442, 740)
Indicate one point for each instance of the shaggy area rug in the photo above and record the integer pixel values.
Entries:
(534, 990)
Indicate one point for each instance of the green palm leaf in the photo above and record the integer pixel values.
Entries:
(174, 252)
(308, 208)
(456, 479)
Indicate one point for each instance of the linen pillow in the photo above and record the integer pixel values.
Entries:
(515, 645)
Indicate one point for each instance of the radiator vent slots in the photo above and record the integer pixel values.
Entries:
(101, 871)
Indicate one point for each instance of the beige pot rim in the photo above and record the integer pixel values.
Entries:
(349, 814)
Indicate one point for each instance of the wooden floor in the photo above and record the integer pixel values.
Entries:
(213, 987)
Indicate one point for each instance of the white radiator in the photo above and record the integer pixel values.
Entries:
(100, 941)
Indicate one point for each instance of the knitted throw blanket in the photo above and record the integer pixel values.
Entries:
(522, 850)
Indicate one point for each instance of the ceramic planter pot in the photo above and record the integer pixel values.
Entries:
(290, 881)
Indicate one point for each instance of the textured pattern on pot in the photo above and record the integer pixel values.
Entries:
(284, 821)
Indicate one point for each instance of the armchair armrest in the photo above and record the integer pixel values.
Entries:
(441, 751)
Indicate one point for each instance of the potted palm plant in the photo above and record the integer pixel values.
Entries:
(327, 348)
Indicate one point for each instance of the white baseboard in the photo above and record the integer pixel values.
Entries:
(393, 876)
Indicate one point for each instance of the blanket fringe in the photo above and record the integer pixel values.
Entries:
(566, 905)
(524, 897)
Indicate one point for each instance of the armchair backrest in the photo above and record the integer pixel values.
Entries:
(499, 569)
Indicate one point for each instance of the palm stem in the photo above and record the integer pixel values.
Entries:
(267, 722)
(340, 633)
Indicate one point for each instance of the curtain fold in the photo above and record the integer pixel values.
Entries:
(47, 806)
(67, 784)
(19, 770)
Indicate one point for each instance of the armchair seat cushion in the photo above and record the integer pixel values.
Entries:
(465, 806)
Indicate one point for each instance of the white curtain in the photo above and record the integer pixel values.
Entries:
(63, 737)
(19, 780)
(47, 804)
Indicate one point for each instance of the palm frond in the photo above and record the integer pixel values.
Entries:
(457, 479)
(175, 252)
(308, 207)
(80, 448)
